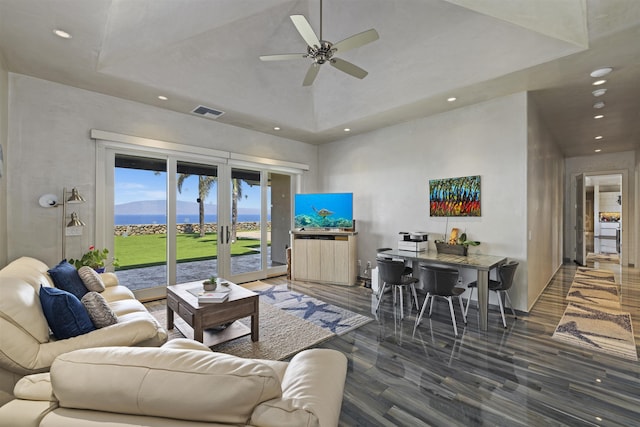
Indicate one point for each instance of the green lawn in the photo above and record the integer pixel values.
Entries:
(150, 249)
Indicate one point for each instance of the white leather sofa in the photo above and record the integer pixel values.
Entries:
(26, 345)
(183, 383)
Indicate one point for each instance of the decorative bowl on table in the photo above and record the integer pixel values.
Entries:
(453, 249)
(210, 284)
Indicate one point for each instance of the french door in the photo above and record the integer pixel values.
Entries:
(178, 219)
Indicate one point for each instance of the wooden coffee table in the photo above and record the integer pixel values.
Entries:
(241, 303)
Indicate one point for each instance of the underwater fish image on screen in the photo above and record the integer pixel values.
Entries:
(324, 210)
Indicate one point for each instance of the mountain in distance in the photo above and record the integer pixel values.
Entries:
(159, 207)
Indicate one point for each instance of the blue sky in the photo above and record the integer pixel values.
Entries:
(134, 185)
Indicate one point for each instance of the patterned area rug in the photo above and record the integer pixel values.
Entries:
(594, 292)
(599, 329)
(281, 334)
(614, 258)
(604, 276)
(333, 318)
(289, 323)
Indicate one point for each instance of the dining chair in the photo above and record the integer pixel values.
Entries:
(379, 255)
(506, 273)
(440, 282)
(392, 274)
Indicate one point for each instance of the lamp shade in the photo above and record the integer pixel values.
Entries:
(75, 197)
(75, 221)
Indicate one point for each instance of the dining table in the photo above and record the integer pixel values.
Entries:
(482, 263)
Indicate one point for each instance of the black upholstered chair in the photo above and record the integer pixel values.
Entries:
(407, 270)
(440, 282)
(392, 274)
(506, 273)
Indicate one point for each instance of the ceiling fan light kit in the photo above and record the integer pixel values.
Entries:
(323, 51)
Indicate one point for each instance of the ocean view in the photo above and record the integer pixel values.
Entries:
(181, 219)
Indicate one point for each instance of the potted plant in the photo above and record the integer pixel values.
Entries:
(94, 258)
(458, 244)
(210, 284)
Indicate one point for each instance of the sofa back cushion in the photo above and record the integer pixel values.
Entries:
(32, 271)
(210, 387)
(20, 306)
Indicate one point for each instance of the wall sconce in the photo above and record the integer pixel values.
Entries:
(74, 226)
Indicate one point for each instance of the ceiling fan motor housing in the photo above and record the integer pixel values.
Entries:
(321, 54)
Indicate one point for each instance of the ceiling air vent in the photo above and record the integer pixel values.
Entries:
(207, 112)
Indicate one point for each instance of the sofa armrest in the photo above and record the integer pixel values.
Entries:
(35, 387)
(185, 344)
(34, 399)
(123, 334)
(109, 279)
(312, 389)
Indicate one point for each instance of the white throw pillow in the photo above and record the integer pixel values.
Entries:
(99, 311)
(91, 279)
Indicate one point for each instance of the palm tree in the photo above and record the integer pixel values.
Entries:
(205, 183)
(236, 195)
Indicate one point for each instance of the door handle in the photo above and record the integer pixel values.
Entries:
(228, 234)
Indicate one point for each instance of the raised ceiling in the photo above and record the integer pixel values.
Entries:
(204, 52)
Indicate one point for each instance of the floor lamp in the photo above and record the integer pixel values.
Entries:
(74, 226)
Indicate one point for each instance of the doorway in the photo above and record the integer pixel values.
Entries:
(605, 215)
(600, 215)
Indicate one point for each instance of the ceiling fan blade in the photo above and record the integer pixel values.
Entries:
(311, 74)
(305, 30)
(358, 40)
(282, 57)
(348, 68)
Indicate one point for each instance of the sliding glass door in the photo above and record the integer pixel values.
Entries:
(177, 220)
(196, 221)
(246, 223)
(140, 221)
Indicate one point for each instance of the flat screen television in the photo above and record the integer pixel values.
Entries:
(323, 210)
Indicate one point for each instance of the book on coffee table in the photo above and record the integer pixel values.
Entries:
(213, 296)
(220, 294)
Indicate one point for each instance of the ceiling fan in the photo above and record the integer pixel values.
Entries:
(322, 51)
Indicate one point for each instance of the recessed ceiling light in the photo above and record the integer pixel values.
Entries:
(599, 92)
(453, 98)
(162, 97)
(347, 130)
(599, 116)
(276, 128)
(601, 72)
(598, 137)
(599, 82)
(597, 150)
(598, 105)
(62, 34)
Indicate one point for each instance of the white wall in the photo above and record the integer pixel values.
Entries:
(51, 149)
(4, 122)
(389, 171)
(623, 163)
(545, 177)
(636, 179)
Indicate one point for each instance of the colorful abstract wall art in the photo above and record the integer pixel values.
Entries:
(455, 196)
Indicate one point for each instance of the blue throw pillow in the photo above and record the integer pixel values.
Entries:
(65, 314)
(66, 277)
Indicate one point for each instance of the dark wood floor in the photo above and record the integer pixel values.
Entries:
(517, 376)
